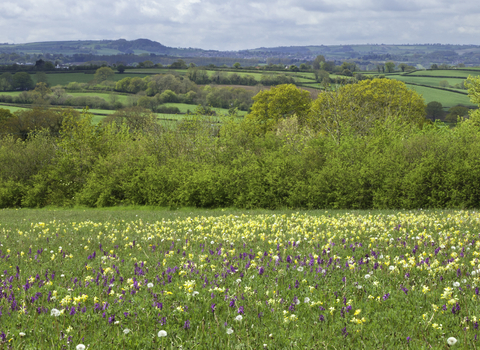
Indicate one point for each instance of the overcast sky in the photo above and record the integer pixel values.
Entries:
(234, 25)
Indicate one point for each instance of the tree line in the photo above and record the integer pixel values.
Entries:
(366, 145)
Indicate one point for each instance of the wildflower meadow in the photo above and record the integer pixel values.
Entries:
(257, 280)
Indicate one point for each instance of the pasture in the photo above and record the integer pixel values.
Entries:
(139, 278)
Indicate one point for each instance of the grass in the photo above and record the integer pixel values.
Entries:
(431, 81)
(445, 73)
(446, 98)
(66, 78)
(231, 279)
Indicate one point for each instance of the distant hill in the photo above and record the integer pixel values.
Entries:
(363, 55)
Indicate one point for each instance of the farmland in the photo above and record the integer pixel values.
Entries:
(153, 278)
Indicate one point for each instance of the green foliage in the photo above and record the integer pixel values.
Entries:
(104, 73)
(359, 107)
(22, 81)
(434, 110)
(279, 102)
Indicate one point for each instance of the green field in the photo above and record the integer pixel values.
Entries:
(431, 81)
(446, 98)
(66, 78)
(145, 278)
(444, 73)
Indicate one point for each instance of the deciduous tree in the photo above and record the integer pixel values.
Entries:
(279, 102)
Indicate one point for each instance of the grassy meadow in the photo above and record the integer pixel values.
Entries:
(138, 278)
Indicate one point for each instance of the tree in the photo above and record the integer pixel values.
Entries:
(148, 64)
(434, 66)
(121, 68)
(318, 61)
(41, 90)
(6, 81)
(41, 77)
(403, 66)
(390, 66)
(236, 65)
(5, 114)
(443, 83)
(134, 118)
(179, 64)
(35, 119)
(455, 112)
(22, 81)
(280, 102)
(357, 108)
(473, 86)
(104, 73)
(434, 110)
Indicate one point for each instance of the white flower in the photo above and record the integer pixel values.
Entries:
(195, 293)
(451, 341)
(229, 331)
(212, 242)
(126, 331)
(54, 312)
(456, 284)
(297, 301)
(367, 276)
(391, 267)
(162, 333)
(238, 280)
(80, 347)
(359, 287)
(453, 248)
(306, 300)
(299, 269)
(21, 334)
(150, 285)
(62, 275)
(276, 258)
(239, 318)
(116, 322)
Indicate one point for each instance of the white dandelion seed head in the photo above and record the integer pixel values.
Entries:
(22, 334)
(150, 285)
(80, 347)
(451, 341)
(162, 333)
(126, 331)
(367, 276)
(306, 300)
(359, 287)
(453, 248)
(229, 331)
(300, 269)
(239, 318)
(456, 284)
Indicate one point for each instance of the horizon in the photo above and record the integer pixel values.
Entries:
(232, 26)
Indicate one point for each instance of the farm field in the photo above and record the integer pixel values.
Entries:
(156, 278)
(431, 81)
(446, 98)
(66, 78)
(445, 73)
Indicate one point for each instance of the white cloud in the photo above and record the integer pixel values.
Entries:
(228, 24)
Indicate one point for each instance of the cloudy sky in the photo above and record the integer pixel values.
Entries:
(243, 24)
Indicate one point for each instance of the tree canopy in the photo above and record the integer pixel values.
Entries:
(279, 102)
(359, 107)
(104, 73)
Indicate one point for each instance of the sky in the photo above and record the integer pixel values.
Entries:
(236, 25)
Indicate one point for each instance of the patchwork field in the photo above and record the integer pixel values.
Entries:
(128, 278)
